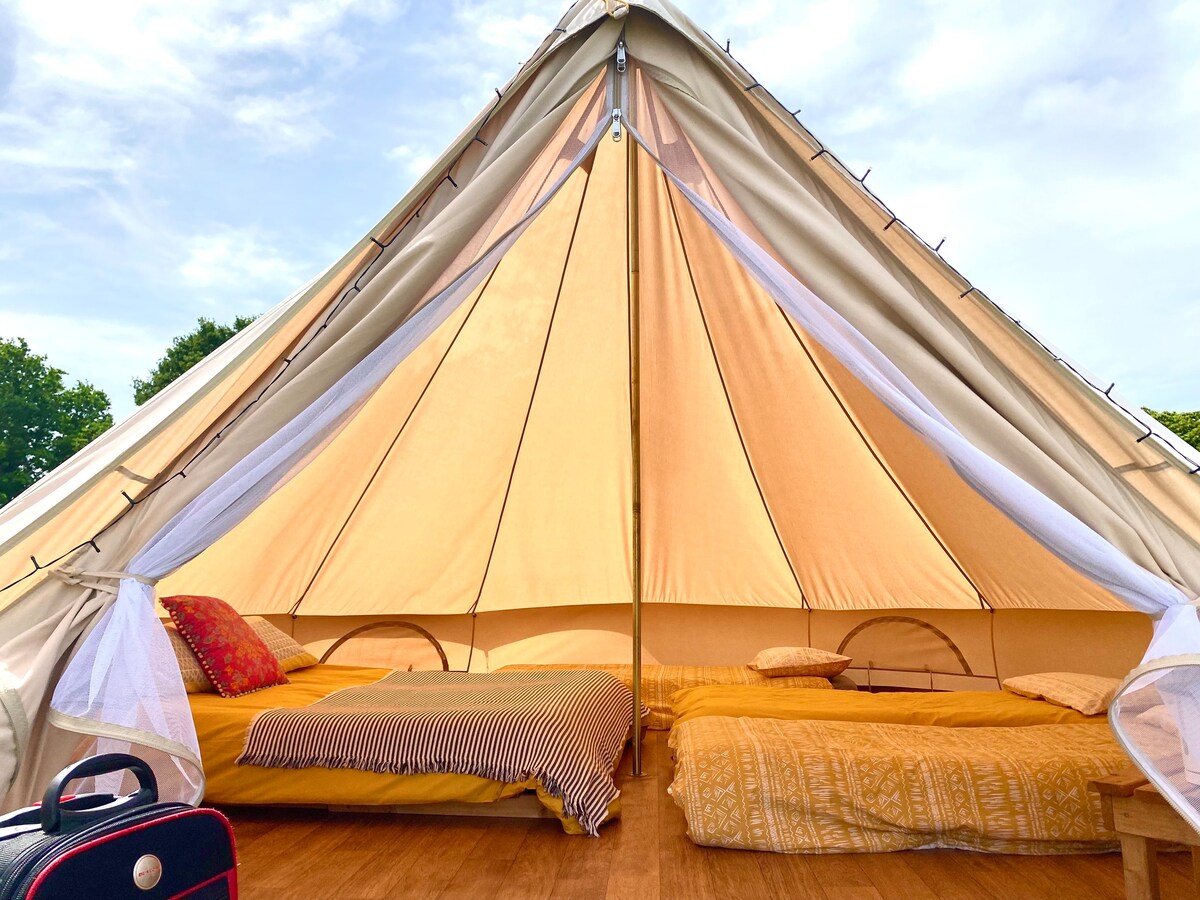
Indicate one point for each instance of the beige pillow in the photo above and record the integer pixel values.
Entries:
(1090, 694)
(194, 679)
(283, 647)
(776, 662)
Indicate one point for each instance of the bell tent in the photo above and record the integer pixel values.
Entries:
(637, 358)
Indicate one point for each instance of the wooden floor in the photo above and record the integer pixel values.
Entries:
(646, 854)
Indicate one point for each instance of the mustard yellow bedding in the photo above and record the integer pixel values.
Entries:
(828, 787)
(660, 682)
(956, 709)
(221, 724)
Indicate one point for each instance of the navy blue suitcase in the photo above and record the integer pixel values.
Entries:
(115, 848)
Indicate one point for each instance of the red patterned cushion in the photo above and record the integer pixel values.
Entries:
(234, 658)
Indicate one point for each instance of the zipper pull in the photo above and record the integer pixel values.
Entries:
(621, 56)
(616, 124)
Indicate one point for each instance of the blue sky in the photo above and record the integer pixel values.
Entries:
(162, 161)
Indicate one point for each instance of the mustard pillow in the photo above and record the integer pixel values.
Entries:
(283, 647)
(194, 679)
(1090, 694)
(777, 662)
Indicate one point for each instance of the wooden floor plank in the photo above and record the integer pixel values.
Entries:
(680, 869)
(647, 854)
(892, 876)
(535, 867)
(584, 868)
(476, 877)
(736, 873)
(634, 872)
(948, 874)
(433, 872)
(503, 839)
(790, 875)
(842, 878)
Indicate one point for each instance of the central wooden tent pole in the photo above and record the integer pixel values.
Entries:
(635, 431)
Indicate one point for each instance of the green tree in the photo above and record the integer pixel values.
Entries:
(1184, 424)
(42, 421)
(185, 351)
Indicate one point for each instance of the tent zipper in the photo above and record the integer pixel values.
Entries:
(617, 81)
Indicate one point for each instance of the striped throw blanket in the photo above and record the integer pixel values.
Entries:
(563, 728)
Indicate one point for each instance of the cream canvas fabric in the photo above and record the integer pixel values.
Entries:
(487, 481)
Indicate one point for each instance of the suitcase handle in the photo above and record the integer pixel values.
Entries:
(55, 816)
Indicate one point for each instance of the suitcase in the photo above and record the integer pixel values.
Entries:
(103, 847)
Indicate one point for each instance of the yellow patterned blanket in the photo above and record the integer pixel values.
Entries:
(827, 787)
(660, 682)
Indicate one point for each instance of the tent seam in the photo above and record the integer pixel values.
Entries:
(762, 497)
(387, 453)
(878, 457)
(529, 409)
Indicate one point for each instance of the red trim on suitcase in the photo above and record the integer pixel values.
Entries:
(217, 814)
(224, 876)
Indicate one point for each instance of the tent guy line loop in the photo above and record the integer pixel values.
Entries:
(72, 575)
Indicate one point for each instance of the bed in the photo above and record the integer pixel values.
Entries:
(223, 726)
(832, 786)
(660, 682)
(946, 709)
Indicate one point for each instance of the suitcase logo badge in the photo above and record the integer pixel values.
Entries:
(147, 871)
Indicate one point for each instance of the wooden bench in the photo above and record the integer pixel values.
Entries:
(1142, 819)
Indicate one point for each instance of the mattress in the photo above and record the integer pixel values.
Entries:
(969, 709)
(820, 786)
(222, 723)
(660, 682)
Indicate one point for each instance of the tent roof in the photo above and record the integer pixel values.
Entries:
(770, 475)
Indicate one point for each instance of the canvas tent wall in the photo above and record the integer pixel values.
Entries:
(467, 379)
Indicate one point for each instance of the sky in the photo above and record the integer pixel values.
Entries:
(164, 161)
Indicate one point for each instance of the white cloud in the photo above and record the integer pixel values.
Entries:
(976, 46)
(803, 47)
(92, 349)
(86, 73)
(302, 28)
(233, 258)
(283, 123)
(67, 146)
(415, 161)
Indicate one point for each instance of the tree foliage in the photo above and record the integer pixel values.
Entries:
(185, 351)
(1184, 424)
(42, 421)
